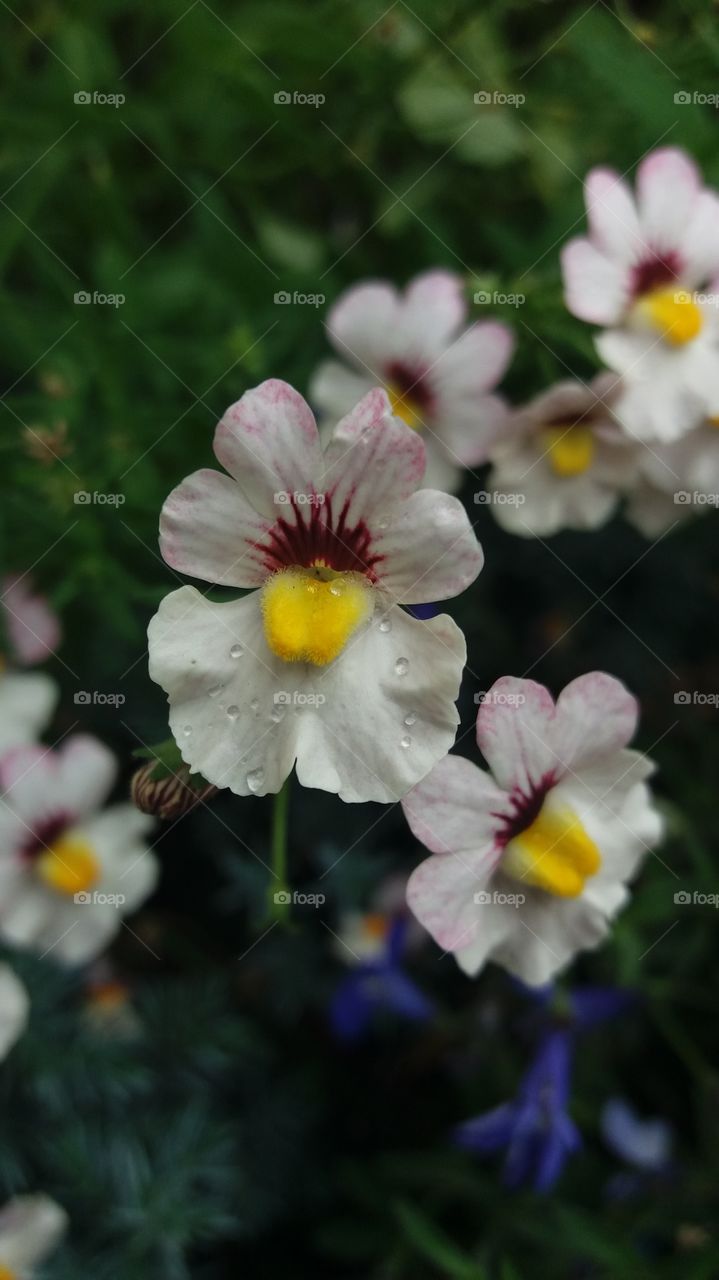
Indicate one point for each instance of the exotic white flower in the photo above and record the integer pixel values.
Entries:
(27, 701)
(530, 861)
(438, 375)
(638, 271)
(31, 1228)
(68, 870)
(319, 665)
(14, 1012)
(677, 480)
(562, 462)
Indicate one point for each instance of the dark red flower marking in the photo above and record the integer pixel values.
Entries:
(44, 835)
(525, 809)
(411, 384)
(311, 534)
(654, 271)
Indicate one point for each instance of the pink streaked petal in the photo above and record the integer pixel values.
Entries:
(596, 289)
(612, 216)
(268, 441)
(429, 550)
(432, 309)
(441, 893)
(33, 627)
(595, 715)
(373, 462)
(208, 530)
(455, 807)
(668, 184)
(362, 322)
(475, 362)
(514, 733)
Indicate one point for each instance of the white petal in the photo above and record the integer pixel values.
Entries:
(699, 245)
(595, 716)
(33, 628)
(455, 808)
(335, 389)
(429, 550)
(612, 216)
(442, 894)
(14, 1009)
(548, 932)
(596, 288)
(268, 442)
(209, 530)
(363, 322)
(432, 309)
(469, 428)
(26, 706)
(513, 733)
(373, 462)
(30, 1229)
(668, 183)
(474, 363)
(86, 772)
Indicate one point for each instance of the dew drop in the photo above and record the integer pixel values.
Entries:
(410, 719)
(401, 666)
(277, 714)
(385, 625)
(213, 692)
(233, 712)
(337, 589)
(255, 778)
(236, 651)
(406, 741)
(255, 705)
(187, 730)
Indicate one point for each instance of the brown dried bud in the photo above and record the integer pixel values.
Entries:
(169, 795)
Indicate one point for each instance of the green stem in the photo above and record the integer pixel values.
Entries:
(279, 888)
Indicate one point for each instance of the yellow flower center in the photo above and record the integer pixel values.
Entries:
(309, 617)
(69, 866)
(404, 406)
(671, 313)
(554, 853)
(570, 449)
(6, 1273)
(713, 422)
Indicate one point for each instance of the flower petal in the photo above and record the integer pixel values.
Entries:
(612, 216)
(363, 321)
(208, 530)
(33, 627)
(668, 183)
(30, 1228)
(334, 389)
(26, 706)
(596, 288)
(268, 442)
(455, 807)
(475, 362)
(514, 728)
(430, 551)
(373, 462)
(442, 892)
(14, 1009)
(432, 308)
(595, 716)
(86, 771)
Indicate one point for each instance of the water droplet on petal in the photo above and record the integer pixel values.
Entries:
(277, 714)
(401, 666)
(187, 730)
(385, 625)
(255, 778)
(213, 692)
(236, 651)
(406, 742)
(410, 719)
(233, 712)
(255, 705)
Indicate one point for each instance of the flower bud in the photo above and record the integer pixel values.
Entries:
(171, 794)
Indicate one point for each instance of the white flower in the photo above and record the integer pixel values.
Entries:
(33, 628)
(318, 665)
(439, 376)
(14, 1011)
(638, 272)
(68, 870)
(27, 701)
(31, 1228)
(530, 861)
(562, 462)
(677, 480)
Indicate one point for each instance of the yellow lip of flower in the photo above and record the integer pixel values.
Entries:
(6, 1273)
(404, 406)
(713, 421)
(672, 313)
(69, 866)
(570, 450)
(554, 853)
(310, 614)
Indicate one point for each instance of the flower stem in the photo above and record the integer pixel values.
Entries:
(278, 887)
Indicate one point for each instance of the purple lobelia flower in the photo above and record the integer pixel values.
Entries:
(377, 980)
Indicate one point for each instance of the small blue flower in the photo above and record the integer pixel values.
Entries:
(376, 983)
(535, 1128)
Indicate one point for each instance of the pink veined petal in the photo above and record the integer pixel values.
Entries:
(362, 322)
(668, 184)
(33, 627)
(455, 807)
(612, 216)
(86, 773)
(596, 289)
(208, 530)
(429, 550)
(441, 893)
(268, 441)
(432, 309)
(595, 715)
(514, 728)
(373, 462)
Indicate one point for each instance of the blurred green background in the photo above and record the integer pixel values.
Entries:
(233, 1133)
